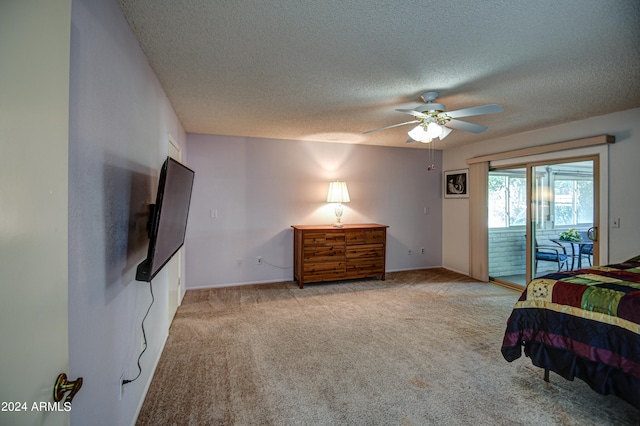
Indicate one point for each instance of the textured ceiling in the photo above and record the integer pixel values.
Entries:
(331, 70)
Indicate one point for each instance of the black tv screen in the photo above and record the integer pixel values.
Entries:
(168, 220)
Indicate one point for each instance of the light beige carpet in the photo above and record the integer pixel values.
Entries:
(421, 348)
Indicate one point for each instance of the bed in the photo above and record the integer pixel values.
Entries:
(585, 324)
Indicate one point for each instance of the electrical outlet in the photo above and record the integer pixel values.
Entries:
(121, 387)
(259, 260)
(615, 223)
(421, 250)
(410, 252)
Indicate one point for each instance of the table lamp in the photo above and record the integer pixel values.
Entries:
(338, 193)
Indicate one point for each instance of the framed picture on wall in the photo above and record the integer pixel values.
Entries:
(456, 183)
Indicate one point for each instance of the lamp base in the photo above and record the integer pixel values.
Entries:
(338, 212)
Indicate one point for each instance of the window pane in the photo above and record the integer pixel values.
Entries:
(497, 201)
(564, 196)
(573, 202)
(517, 201)
(584, 190)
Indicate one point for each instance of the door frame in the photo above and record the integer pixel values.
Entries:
(34, 218)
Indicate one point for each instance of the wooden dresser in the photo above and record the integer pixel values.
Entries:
(324, 253)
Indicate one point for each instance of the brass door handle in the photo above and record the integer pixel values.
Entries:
(63, 386)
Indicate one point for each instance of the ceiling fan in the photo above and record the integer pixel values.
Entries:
(434, 122)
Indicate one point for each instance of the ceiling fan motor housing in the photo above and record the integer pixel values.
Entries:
(434, 112)
(429, 96)
(431, 108)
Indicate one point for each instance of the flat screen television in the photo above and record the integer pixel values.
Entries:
(168, 218)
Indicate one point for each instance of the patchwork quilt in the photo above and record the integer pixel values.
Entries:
(585, 324)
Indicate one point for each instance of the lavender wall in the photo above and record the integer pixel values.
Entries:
(120, 122)
(260, 187)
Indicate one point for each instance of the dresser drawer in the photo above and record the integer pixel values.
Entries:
(320, 254)
(377, 236)
(317, 277)
(364, 268)
(365, 237)
(335, 238)
(322, 267)
(355, 237)
(314, 239)
(365, 251)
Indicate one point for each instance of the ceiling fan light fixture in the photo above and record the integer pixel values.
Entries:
(433, 130)
(419, 134)
(445, 132)
(416, 133)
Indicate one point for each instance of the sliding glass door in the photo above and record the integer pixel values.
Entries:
(563, 217)
(542, 218)
(508, 224)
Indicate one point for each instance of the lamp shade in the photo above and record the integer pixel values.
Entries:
(433, 130)
(426, 134)
(419, 134)
(338, 192)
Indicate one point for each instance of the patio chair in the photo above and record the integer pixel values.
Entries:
(586, 250)
(551, 253)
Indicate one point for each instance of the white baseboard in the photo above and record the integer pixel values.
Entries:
(204, 287)
(153, 372)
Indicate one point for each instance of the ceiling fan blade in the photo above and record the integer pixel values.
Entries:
(478, 110)
(392, 126)
(413, 112)
(467, 127)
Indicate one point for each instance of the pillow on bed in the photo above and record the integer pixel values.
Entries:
(634, 259)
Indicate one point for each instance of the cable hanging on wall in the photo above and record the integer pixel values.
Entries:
(144, 338)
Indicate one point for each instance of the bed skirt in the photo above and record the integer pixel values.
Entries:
(602, 378)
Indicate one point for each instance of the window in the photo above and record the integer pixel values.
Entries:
(507, 198)
(568, 204)
(573, 201)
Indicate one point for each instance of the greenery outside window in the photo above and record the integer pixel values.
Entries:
(507, 198)
(573, 202)
(569, 203)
